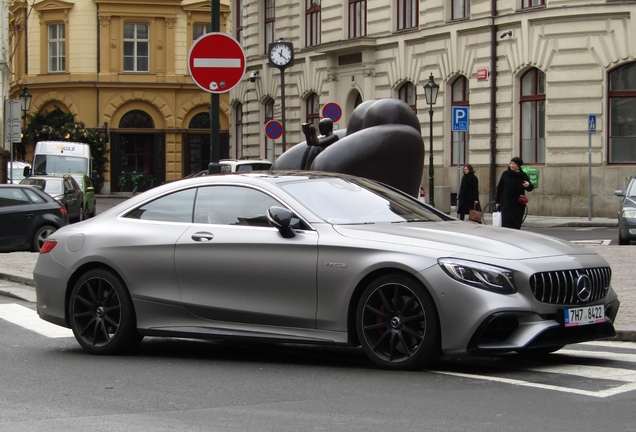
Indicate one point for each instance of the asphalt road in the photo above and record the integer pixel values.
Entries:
(50, 384)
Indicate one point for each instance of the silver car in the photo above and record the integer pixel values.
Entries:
(317, 258)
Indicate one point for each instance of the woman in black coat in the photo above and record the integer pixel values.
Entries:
(468, 192)
(513, 183)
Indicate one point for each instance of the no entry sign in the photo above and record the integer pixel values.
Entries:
(273, 129)
(332, 111)
(216, 62)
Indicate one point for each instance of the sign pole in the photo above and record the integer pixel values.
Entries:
(591, 129)
(215, 128)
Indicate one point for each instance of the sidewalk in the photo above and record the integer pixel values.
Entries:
(16, 268)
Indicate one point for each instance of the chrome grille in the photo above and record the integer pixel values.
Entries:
(560, 287)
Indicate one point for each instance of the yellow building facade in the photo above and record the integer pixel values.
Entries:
(121, 67)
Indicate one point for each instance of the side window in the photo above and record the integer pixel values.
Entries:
(34, 197)
(176, 207)
(12, 197)
(232, 205)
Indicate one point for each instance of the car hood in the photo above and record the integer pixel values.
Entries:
(466, 238)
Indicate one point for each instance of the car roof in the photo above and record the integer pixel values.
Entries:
(30, 187)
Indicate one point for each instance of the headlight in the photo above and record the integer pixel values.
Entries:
(629, 214)
(479, 275)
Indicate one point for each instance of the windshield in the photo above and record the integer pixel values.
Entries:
(342, 201)
(50, 186)
(59, 164)
(631, 190)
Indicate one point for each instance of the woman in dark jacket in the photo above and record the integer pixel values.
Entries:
(468, 192)
(513, 183)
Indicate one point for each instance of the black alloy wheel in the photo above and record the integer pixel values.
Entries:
(102, 315)
(397, 324)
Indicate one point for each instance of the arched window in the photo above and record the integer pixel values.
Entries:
(408, 94)
(238, 130)
(200, 121)
(459, 151)
(533, 117)
(313, 110)
(136, 119)
(622, 114)
(358, 100)
(269, 143)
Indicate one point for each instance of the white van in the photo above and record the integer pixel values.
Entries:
(15, 172)
(61, 157)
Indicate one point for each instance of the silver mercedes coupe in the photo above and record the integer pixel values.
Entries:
(317, 258)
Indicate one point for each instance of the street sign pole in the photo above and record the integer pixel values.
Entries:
(460, 124)
(215, 128)
(591, 129)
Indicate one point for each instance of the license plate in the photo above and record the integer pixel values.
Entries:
(584, 315)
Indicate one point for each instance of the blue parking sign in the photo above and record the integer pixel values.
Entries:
(460, 119)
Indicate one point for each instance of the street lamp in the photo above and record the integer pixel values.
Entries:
(25, 103)
(430, 92)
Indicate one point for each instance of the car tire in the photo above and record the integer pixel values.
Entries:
(40, 236)
(397, 324)
(621, 240)
(102, 315)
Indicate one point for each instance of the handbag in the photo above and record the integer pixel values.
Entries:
(475, 214)
(522, 199)
(496, 219)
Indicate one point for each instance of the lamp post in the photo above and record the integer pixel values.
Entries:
(25, 103)
(430, 92)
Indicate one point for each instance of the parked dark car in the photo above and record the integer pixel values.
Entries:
(63, 189)
(627, 214)
(28, 217)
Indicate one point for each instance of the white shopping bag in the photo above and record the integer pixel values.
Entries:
(496, 219)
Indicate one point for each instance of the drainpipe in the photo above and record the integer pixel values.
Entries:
(493, 100)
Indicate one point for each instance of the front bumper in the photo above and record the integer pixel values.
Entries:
(512, 331)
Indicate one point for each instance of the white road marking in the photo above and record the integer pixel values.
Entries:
(29, 319)
(592, 242)
(621, 375)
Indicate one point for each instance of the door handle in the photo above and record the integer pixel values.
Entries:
(202, 236)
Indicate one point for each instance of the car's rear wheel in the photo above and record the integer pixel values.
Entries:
(101, 314)
(397, 324)
(40, 236)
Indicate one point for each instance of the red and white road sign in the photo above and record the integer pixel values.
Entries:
(216, 62)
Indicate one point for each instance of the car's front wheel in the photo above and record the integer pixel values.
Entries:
(622, 240)
(102, 315)
(397, 324)
(40, 236)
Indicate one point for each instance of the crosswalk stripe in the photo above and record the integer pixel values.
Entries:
(605, 355)
(29, 319)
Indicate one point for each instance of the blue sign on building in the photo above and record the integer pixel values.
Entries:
(460, 119)
(591, 123)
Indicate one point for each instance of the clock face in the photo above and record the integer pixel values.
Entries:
(281, 55)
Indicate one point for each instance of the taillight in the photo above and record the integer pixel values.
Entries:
(48, 246)
(64, 211)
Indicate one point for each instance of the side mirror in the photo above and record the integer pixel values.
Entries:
(94, 175)
(619, 193)
(280, 218)
(26, 171)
